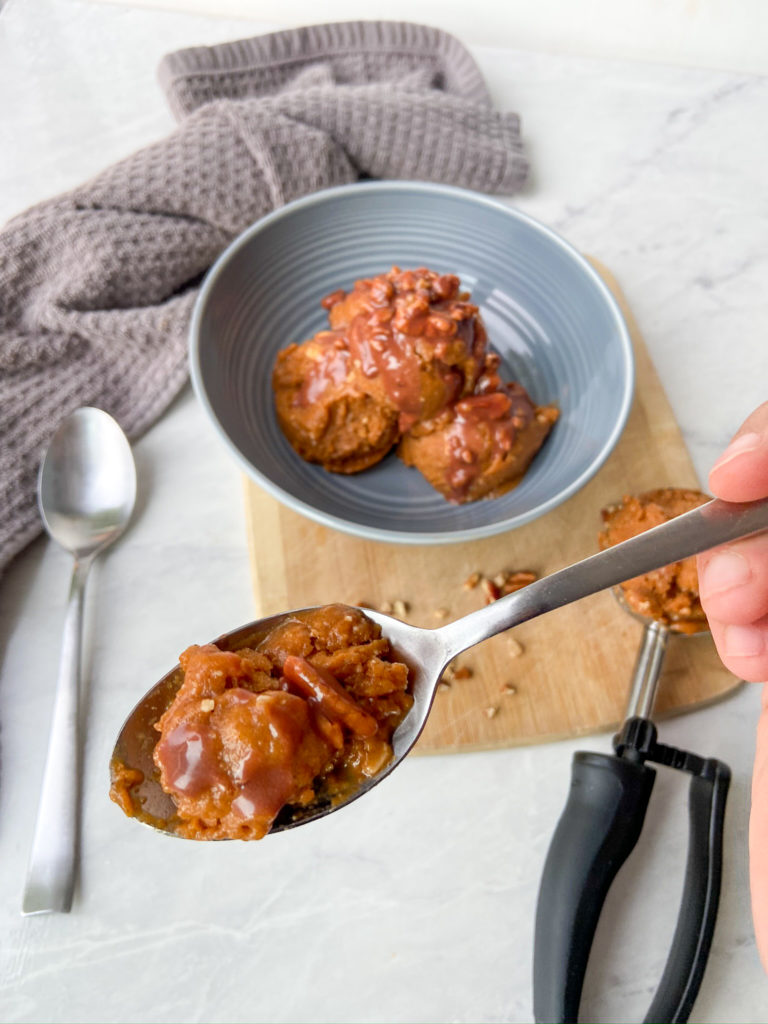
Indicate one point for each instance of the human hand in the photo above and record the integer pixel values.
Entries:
(733, 584)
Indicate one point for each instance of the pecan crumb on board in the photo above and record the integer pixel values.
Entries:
(500, 584)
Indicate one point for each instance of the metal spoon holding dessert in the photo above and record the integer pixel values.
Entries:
(427, 652)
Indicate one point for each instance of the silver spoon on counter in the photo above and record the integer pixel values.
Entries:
(86, 494)
(428, 651)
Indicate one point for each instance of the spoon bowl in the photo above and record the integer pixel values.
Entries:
(426, 652)
(420, 649)
(87, 484)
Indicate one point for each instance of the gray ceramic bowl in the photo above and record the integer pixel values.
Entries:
(548, 314)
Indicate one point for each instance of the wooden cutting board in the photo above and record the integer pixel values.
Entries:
(572, 675)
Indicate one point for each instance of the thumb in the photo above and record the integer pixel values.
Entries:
(758, 835)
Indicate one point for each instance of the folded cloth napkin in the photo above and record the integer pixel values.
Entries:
(97, 285)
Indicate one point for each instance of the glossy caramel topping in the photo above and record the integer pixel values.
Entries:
(330, 367)
(482, 432)
(310, 710)
(394, 329)
(189, 759)
(249, 745)
(322, 689)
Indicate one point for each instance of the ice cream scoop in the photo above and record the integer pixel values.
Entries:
(598, 829)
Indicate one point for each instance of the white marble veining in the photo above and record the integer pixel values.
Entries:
(417, 903)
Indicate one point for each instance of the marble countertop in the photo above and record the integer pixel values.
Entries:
(417, 903)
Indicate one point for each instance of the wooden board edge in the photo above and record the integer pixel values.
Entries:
(588, 730)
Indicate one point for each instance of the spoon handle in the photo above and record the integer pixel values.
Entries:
(717, 522)
(51, 870)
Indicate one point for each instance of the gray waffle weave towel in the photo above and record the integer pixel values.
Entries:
(97, 285)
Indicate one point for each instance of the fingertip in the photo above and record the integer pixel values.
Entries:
(741, 472)
(741, 477)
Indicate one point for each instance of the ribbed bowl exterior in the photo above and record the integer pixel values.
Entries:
(548, 314)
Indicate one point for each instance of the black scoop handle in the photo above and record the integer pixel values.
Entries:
(688, 954)
(599, 827)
